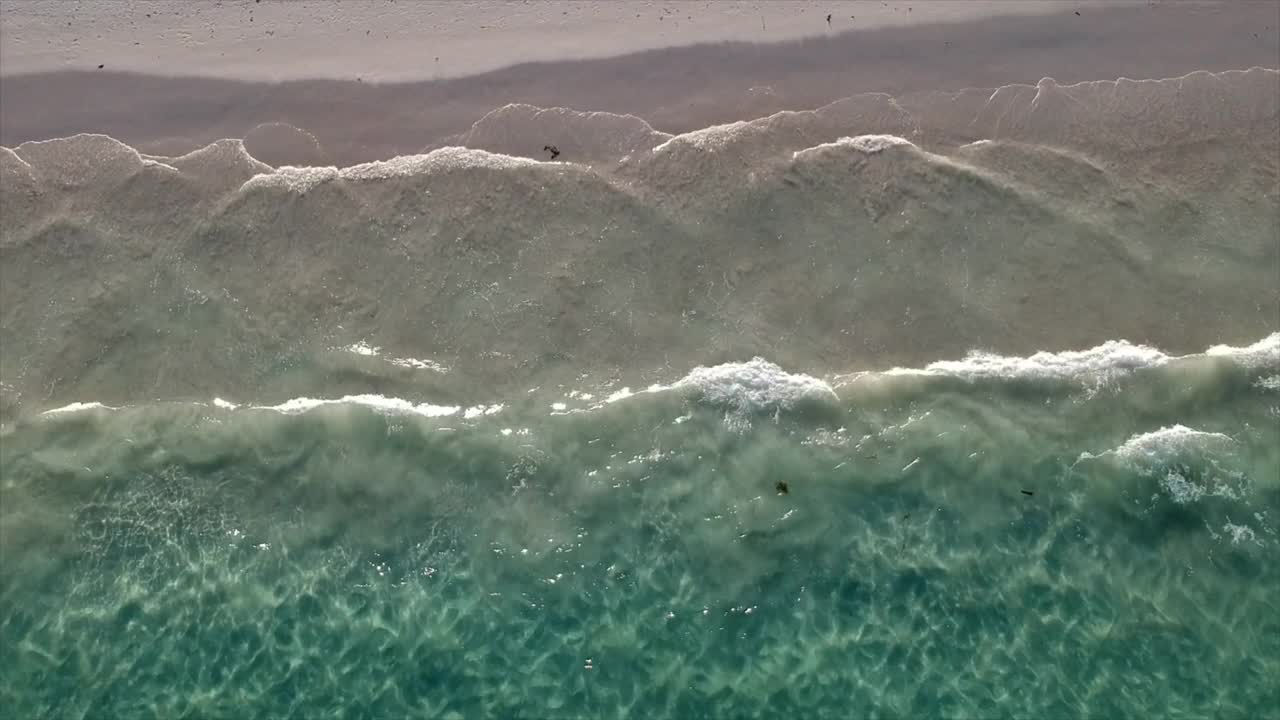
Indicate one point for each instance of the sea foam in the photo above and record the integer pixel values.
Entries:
(1110, 359)
(1158, 446)
(869, 144)
(753, 386)
(375, 402)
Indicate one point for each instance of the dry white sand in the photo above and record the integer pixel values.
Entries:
(411, 40)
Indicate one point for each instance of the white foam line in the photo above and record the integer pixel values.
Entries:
(622, 394)
(754, 385)
(706, 138)
(1174, 436)
(1160, 443)
(363, 348)
(78, 407)
(416, 364)
(376, 402)
(236, 145)
(748, 387)
(759, 385)
(482, 410)
(868, 144)
(81, 138)
(9, 153)
(301, 179)
(1111, 357)
(1264, 352)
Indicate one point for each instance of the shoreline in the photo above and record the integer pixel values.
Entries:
(675, 90)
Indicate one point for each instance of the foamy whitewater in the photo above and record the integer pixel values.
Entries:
(957, 405)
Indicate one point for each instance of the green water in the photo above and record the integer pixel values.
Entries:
(637, 560)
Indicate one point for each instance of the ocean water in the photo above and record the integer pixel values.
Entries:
(1056, 538)
(814, 416)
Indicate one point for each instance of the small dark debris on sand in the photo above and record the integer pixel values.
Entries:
(782, 488)
(101, 66)
(555, 151)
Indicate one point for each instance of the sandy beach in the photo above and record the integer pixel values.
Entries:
(367, 97)
(389, 41)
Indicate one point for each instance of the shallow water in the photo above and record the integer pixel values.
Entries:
(872, 232)
(1092, 541)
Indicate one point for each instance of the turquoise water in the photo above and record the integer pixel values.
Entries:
(949, 546)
